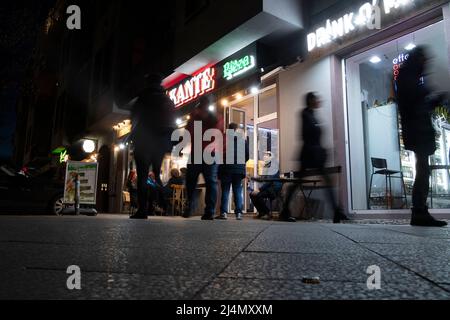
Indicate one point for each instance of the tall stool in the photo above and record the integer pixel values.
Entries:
(379, 167)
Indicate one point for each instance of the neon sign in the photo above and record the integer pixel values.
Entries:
(368, 15)
(235, 68)
(397, 62)
(193, 88)
(63, 157)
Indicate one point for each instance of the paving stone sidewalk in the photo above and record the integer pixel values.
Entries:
(174, 258)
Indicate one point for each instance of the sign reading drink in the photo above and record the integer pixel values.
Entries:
(193, 88)
(368, 16)
(235, 68)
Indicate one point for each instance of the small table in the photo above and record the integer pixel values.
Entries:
(299, 182)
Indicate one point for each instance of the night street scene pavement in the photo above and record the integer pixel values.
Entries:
(241, 153)
(176, 259)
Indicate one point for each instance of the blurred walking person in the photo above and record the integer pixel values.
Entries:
(313, 156)
(153, 124)
(415, 104)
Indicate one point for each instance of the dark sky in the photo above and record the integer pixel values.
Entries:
(20, 21)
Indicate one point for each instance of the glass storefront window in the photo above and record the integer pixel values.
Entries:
(374, 126)
(268, 102)
(268, 149)
(258, 111)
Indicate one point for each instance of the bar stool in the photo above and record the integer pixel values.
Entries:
(379, 167)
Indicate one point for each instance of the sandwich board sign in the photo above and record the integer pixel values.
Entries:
(86, 172)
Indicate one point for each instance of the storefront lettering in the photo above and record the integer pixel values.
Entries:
(368, 16)
(235, 68)
(398, 63)
(193, 88)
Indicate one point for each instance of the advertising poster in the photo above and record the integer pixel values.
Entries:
(87, 175)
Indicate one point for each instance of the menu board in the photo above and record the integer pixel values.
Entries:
(87, 176)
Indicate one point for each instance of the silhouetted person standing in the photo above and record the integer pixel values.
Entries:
(198, 165)
(313, 155)
(415, 106)
(153, 124)
(232, 174)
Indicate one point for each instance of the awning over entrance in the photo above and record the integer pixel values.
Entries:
(270, 16)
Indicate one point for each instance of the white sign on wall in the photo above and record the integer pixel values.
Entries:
(368, 16)
(87, 176)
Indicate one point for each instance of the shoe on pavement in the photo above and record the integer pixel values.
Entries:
(138, 216)
(339, 216)
(222, 216)
(239, 216)
(422, 218)
(207, 217)
(266, 217)
(287, 219)
(286, 216)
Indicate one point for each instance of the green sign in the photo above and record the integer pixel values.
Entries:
(63, 156)
(59, 150)
(235, 68)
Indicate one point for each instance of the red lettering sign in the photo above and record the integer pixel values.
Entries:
(193, 88)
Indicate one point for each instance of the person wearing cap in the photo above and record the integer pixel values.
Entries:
(153, 123)
(209, 120)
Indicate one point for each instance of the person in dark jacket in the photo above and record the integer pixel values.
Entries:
(175, 180)
(153, 124)
(198, 166)
(268, 191)
(232, 173)
(415, 106)
(313, 155)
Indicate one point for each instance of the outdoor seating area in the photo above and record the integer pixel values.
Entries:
(307, 182)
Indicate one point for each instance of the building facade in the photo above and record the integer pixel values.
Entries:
(256, 67)
(350, 53)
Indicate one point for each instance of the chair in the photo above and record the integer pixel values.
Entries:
(379, 167)
(178, 200)
(129, 204)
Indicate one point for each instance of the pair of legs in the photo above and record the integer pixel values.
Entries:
(145, 159)
(420, 215)
(233, 181)
(210, 175)
(259, 201)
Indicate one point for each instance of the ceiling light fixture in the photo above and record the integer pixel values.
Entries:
(375, 59)
(88, 146)
(410, 46)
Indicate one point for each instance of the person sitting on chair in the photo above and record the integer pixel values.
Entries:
(175, 180)
(269, 190)
(132, 188)
(157, 202)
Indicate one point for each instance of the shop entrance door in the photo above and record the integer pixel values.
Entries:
(257, 115)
